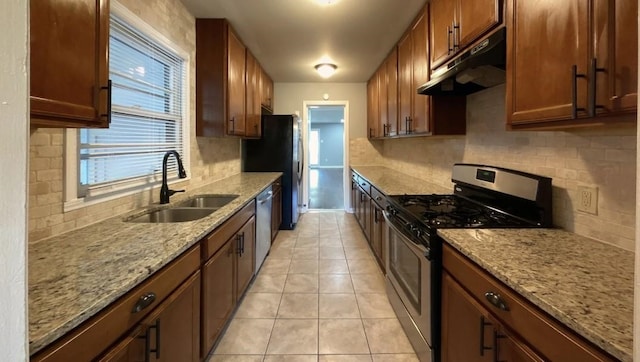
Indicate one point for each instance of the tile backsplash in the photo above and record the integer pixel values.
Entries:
(211, 158)
(601, 157)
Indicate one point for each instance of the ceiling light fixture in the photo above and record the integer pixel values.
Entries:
(326, 69)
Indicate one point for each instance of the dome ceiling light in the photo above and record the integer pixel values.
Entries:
(326, 69)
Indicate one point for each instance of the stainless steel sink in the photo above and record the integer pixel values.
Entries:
(176, 214)
(208, 201)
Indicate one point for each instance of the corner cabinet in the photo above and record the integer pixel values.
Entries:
(69, 63)
(572, 80)
(484, 320)
(231, 87)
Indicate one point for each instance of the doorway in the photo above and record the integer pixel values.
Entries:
(325, 132)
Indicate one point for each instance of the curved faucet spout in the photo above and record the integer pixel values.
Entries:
(165, 192)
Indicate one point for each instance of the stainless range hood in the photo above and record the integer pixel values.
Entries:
(480, 67)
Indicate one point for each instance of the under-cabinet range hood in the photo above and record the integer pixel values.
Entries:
(479, 67)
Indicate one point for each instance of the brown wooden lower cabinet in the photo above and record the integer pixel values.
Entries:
(276, 209)
(245, 257)
(508, 329)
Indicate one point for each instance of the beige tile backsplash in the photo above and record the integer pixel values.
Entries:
(600, 157)
(211, 158)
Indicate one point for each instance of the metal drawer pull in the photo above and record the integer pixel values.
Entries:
(496, 300)
(144, 301)
(483, 324)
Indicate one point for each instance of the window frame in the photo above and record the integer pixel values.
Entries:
(118, 189)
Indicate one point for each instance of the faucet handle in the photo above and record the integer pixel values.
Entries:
(171, 192)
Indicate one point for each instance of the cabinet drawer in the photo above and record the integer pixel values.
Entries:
(95, 335)
(365, 185)
(276, 185)
(222, 233)
(551, 338)
(378, 197)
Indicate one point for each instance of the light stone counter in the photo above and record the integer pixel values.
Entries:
(75, 275)
(585, 284)
(391, 182)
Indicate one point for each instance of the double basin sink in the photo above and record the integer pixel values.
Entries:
(189, 210)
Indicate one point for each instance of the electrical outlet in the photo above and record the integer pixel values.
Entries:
(588, 199)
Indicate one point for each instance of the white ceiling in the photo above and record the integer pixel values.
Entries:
(289, 37)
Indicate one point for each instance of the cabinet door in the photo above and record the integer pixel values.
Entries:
(615, 33)
(467, 333)
(405, 91)
(131, 349)
(173, 329)
(383, 101)
(419, 121)
(253, 95)
(392, 92)
(69, 63)
(510, 348)
(441, 40)
(276, 212)
(372, 107)
(476, 17)
(217, 294)
(236, 85)
(366, 216)
(539, 78)
(245, 256)
(377, 232)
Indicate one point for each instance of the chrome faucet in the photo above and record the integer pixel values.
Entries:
(165, 193)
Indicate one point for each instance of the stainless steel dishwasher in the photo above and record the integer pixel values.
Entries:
(263, 225)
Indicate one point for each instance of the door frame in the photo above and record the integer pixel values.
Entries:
(305, 142)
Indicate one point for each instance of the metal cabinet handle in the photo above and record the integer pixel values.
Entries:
(496, 343)
(593, 106)
(242, 242)
(456, 40)
(483, 324)
(233, 125)
(108, 88)
(144, 301)
(238, 245)
(496, 300)
(449, 48)
(574, 91)
(156, 326)
(378, 198)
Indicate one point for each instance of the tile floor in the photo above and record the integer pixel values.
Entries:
(319, 296)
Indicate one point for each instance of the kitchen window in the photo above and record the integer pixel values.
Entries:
(148, 117)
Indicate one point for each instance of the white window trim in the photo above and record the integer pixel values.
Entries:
(70, 194)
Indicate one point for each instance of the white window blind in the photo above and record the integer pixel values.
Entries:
(148, 111)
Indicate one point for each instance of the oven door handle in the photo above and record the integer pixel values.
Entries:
(417, 249)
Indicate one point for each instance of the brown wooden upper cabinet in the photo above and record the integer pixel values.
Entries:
(456, 24)
(373, 104)
(230, 84)
(69, 63)
(583, 65)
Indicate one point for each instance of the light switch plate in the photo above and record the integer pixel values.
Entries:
(588, 199)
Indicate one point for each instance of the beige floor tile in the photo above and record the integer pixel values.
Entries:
(259, 305)
(309, 232)
(374, 305)
(386, 336)
(333, 231)
(268, 283)
(288, 243)
(338, 306)
(368, 283)
(275, 266)
(294, 336)
(307, 242)
(281, 253)
(330, 241)
(342, 336)
(395, 358)
(331, 252)
(246, 336)
(301, 283)
(296, 305)
(363, 266)
(357, 252)
(235, 358)
(333, 266)
(335, 283)
(291, 358)
(305, 253)
(344, 358)
(304, 266)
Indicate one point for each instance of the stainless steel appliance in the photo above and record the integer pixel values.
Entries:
(279, 149)
(483, 197)
(263, 225)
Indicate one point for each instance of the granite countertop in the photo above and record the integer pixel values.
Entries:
(585, 284)
(74, 275)
(391, 182)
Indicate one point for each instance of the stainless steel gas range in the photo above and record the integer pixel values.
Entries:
(483, 197)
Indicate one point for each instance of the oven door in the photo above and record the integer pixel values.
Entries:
(409, 272)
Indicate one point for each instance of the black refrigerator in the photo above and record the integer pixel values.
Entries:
(279, 150)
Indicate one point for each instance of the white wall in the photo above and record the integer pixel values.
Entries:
(288, 98)
(14, 97)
